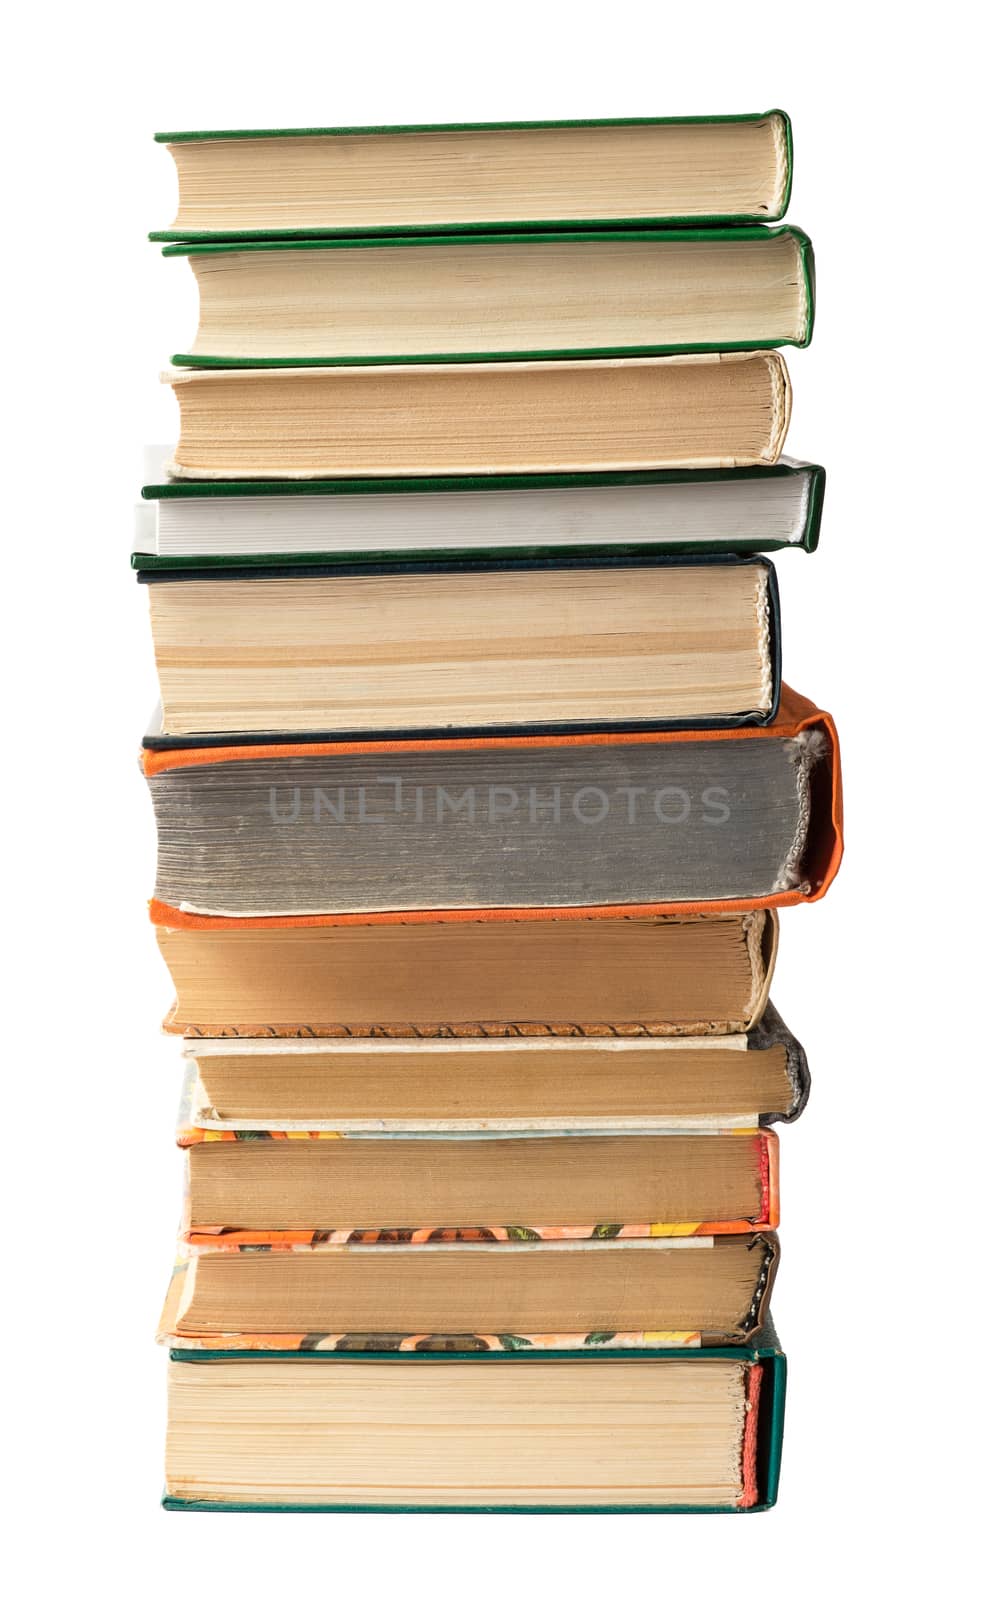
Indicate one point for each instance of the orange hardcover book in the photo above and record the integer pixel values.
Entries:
(543, 827)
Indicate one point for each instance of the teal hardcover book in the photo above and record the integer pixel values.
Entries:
(458, 1430)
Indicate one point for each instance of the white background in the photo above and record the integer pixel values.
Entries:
(879, 1300)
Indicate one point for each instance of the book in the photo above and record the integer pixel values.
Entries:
(557, 824)
(570, 643)
(507, 1084)
(356, 1188)
(597, 1430)
(307, 182)
(499, 296)
(713, 410)
(430, 1294)
(427, 977)
(214, 522)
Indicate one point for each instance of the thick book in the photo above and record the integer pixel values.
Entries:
(635, 823)
(570, 643)
(608, 1082)
(325, 1187)
(467, 977)
(490, 297)
(474, 1292)
(431, 419)
(311, 182)
(195, 523)
(598, 1430)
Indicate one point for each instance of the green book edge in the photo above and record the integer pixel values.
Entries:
(452, 483)
(565, 353)
(216, 247)
(199, 136)
(771, 1424)
(142, 561)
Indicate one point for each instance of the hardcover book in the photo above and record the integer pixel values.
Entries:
(195, 523)
(422, 976)
(571, 643)
(356, 1188)
(476, 1291)
(596, 1430)
(499, 296)
(716, 410)
(310, 182)
(515, 1083)
(643, 823)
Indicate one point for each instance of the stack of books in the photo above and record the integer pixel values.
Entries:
(477, 793)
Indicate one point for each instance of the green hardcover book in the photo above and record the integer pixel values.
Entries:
(310, 183)
(463, 1430)
(199, 523)
(499, 297)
